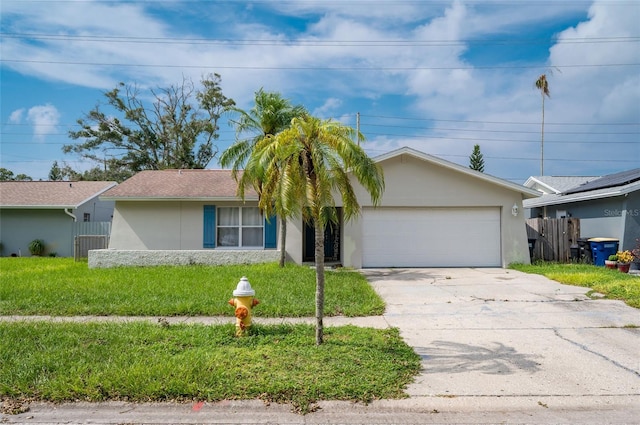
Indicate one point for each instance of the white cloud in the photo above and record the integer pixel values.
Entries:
(328, 108)
(441, 81)
(16, 116)
(44, 119)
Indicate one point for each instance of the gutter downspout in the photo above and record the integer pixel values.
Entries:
(67, 212)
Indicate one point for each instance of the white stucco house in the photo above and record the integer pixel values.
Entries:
(53, 211)
(433, 213)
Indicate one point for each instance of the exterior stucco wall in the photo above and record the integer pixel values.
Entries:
(18, 227)
(617, 217)
(98, 210)
(411, 182)
(632, 221)
(598, 218)
(161, 225)
(106, 258)
(294, 240)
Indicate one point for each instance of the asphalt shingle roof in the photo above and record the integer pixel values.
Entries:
(179, 184)
(564, 183)
(49, 194)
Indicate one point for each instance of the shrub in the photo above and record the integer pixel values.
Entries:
(36, 247)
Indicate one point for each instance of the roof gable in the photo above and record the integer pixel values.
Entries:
(556, 184)
(178, 184)
(525, 191)
(50, 194)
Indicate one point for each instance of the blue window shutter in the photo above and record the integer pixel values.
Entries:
(270, 233)
(209, 233)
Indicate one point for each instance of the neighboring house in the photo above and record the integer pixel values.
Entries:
(607, 206)
(186, 210)
(51, 211)
(555, 185)
(433, 214)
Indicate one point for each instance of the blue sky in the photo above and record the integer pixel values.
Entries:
(438, 76)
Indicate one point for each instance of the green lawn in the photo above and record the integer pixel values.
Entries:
(146, 362)
(60, 286)
(612, 283)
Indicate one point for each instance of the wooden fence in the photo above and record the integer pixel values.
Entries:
(553, 238)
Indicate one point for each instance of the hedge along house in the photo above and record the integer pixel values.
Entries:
(433, 214)
(53, 211)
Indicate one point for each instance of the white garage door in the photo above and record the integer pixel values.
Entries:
(431, 237)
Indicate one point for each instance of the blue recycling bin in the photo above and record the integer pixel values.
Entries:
(602, 248)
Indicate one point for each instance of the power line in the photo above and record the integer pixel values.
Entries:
(314, 68)
(480, 139)
(493, 122)
(499, 131)
(309, 42)
(405, 118)
(430, 129)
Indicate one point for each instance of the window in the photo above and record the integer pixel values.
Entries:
(87, 217)
(239, 227)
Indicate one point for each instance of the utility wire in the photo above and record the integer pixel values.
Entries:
(309, 42)
(315, 68)
(491, 122)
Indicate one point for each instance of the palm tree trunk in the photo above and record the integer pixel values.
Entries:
(319, 254)
(283, 241)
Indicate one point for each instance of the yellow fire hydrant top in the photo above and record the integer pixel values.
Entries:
(243, 301)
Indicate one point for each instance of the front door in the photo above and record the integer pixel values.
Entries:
(331, 241)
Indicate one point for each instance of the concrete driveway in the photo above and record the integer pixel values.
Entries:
(491, 337)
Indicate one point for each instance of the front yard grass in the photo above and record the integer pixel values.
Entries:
(147, 362)
(612, 283)
(62, 287)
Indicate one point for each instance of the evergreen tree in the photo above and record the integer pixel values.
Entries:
(476, 161)
(55, 174)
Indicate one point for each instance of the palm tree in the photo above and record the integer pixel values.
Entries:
(270, 115)
(302, 168)
(543, 85)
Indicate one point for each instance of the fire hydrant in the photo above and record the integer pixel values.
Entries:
(243, 301)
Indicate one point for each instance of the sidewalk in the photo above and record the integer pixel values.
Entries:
(497, 346)
(377, 322)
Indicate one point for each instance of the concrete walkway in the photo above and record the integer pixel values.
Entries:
(497, 346)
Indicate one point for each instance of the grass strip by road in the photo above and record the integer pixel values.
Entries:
(612, 283)
(147, 362)
(62, 287)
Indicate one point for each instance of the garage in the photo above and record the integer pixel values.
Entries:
(431, 237)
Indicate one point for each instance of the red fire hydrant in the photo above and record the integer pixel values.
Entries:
(243, 301)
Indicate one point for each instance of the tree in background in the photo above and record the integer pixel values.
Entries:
(476, 161)
(302, 168)
(270, 115)
(55, 173)
(110, 172)
(6, 175)
(543, 85)
(178, 130)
